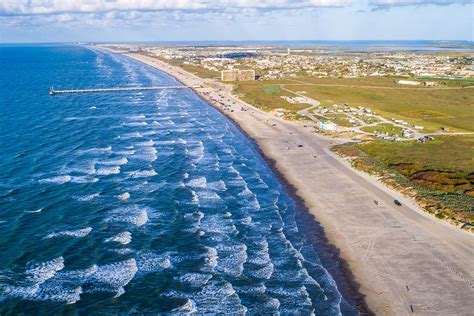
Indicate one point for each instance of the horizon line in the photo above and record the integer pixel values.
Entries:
(244, 40)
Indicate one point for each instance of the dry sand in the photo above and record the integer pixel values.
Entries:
(405, 261)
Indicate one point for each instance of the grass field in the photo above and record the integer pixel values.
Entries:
(428, 107)
(441, 170)
(384, 128)
(266, 95)
(431, 108)
(339, 119)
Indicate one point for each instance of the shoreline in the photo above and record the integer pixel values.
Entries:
(382, 248)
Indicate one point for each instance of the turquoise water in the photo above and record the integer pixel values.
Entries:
(139, 202)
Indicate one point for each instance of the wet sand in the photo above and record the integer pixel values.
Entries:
(403, 261)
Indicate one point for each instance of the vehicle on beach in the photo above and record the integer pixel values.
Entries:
(397, 202)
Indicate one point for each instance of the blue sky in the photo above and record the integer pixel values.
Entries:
(168, 20)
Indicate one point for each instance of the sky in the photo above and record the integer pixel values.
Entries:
(195, 20)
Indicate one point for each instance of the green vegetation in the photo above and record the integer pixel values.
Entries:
(432, 108)
(384, 128)
(441, 171)
(452, 107)
(446, 153)
(457, 82)
(266, 95)
(272, 90)
(339, 119)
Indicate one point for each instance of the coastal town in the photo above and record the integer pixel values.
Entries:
(270, 63)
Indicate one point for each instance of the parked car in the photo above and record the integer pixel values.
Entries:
(397, 202)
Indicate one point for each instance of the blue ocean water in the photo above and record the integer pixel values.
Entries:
(139, 202)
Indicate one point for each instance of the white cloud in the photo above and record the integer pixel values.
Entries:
(47, 7)
(384, 4)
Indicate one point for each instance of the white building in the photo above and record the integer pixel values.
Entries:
(328, 126)
(409, 82)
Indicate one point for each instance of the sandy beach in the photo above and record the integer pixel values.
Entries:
(405, 261)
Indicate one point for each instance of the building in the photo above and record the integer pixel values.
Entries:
(328, 126)
(409, 82)
(246, 75)
(229, 75)
(237, 75)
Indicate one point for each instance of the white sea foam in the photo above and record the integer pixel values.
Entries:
(56, 180)
(231, 259)
(123, 238)
(150, 262)
(97, 150)
(187, 308)
(133, 214)
(146, 154)
(148, 143)
(208, 198)
(83, 179)
(136, 117)
(113, 162)
(197, 153)
(40, 272)
(131, 135)
(79, 233)
(124, 196)
(217, 185)
(120, 292)
(246, 220)
(246, 193)
(198, 182)
(165, 142)
(210, 257)
(194, 279)
(142, 173)
(35, 211)
(86, 198)
(148, 133)
(216, 297)
(105, 171)
(116, 274)
(136, 124)
(125, 152)
(194, 197)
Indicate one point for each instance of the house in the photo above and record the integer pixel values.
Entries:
(327, 125)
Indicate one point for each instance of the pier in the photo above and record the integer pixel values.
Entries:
(53, 92)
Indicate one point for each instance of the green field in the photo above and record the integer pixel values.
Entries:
(432, 108)
(389, 129)
(266, 95)
(337, 118)
(441, 170)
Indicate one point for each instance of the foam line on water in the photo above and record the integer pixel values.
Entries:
(78, 233)
(134, 214)
(123, 238)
